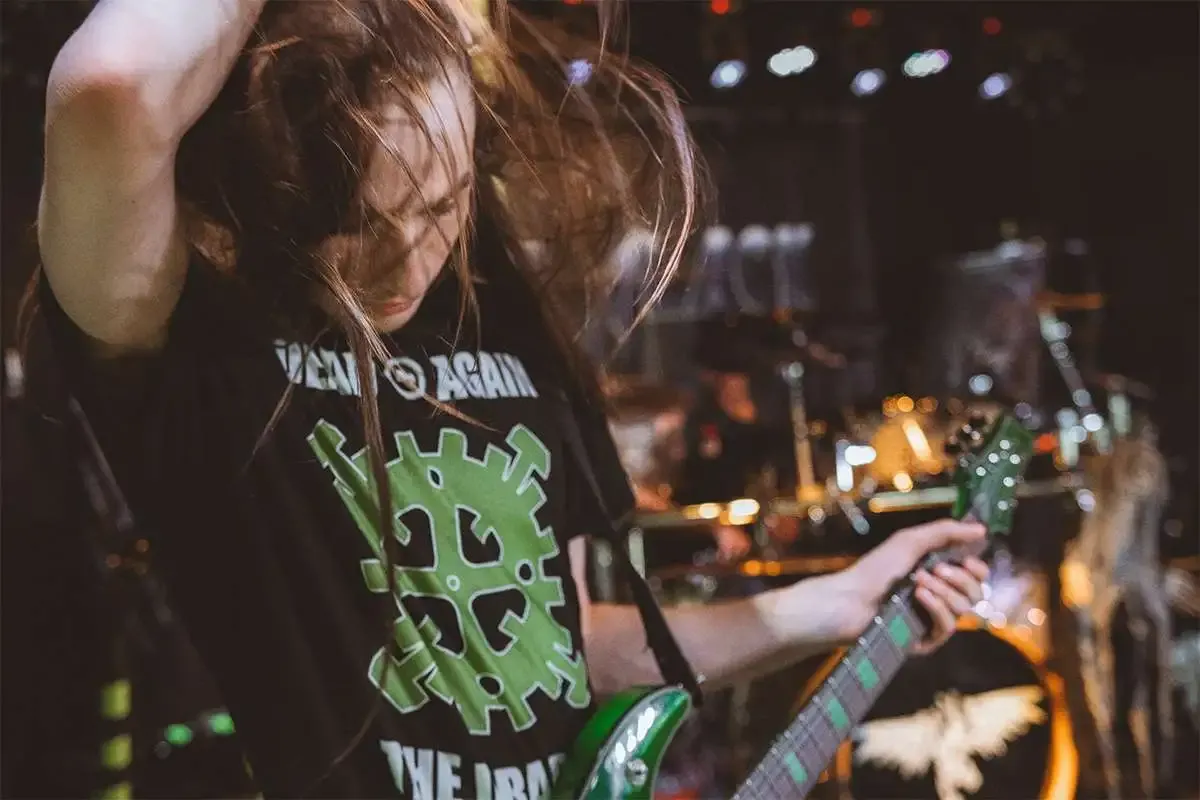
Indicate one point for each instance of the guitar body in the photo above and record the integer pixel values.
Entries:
(618, 754)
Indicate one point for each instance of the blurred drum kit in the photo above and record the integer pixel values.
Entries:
(987, 715)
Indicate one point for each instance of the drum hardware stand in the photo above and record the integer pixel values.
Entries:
(636, 545)
(852, 513)
(1120, 412)
(1054, 333)
(840, 487)
(807, 488)
(605, 587)
(1068, 439)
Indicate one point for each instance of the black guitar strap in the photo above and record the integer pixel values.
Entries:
(671, 661)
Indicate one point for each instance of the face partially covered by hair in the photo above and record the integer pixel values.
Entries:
(414, 198)
(347, 122)
(338, 157)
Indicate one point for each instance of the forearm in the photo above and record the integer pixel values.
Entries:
(724, 642)
(166, 59)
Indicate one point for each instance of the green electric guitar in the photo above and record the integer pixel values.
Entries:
(619, 752)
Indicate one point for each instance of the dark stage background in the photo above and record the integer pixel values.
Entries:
(1097, 141)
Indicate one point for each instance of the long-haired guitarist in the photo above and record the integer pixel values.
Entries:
(284, 270)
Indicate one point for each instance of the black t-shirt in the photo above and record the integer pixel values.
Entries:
(271, 555)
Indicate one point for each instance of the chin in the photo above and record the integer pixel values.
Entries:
(388, 323)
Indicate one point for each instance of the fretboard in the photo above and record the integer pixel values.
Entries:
(795, 761)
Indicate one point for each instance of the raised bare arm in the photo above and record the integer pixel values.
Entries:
(122, 93)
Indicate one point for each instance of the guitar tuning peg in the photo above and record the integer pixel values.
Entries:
(968, 435)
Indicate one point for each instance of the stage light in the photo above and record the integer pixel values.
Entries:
(719, 7)
(992, 26)
(178, 735)
(792, 61)
(926, 63)
(728, 74)
(860, 455)
(995, 85)
(717, 239)
(861, 17)
(221, 724)
(869, 81)
(980, 385)
(754, 240)
(579, 72)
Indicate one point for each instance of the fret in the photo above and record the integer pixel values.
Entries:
(865, 671)
(781, 774)
(793, 764)
(800, 755)
(875, 656)
(916, 626)
(835, 710)
(899, 632)
(821, 727)
(796, 760)
(846, 687)
(797, 770)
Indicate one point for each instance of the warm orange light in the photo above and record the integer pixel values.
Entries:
(861, 17)
(992, 26)
(573, 2)
(719, 6)
(1046, 443)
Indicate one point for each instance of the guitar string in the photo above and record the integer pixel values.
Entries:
(838, 684)
(772, 770)
(774, 773)
(803, 731)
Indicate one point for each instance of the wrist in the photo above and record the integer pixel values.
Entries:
(819, 613)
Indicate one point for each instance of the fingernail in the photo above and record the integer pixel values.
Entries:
(943, 570)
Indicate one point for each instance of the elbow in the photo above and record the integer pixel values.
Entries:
(87, 66)
(108, 91)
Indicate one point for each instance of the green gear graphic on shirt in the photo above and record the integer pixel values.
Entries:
(500, 496)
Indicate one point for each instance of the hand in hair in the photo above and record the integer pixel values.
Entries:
(122, 93)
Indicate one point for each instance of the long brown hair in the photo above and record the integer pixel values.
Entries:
(274, 167)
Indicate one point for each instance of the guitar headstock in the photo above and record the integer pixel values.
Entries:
(991, 462)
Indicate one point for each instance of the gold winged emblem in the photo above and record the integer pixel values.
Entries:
(949, 735)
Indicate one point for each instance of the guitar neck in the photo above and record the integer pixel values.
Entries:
(991, 464)
(795, 762)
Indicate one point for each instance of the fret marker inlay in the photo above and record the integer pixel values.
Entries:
(867, 675)
(837, 714)
(899, 632)
(796, 769)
